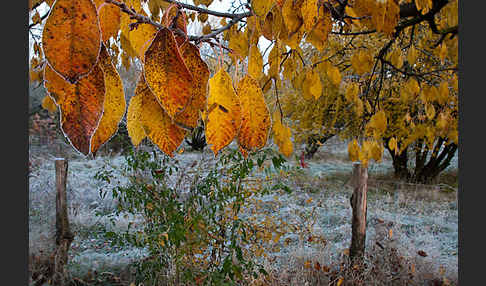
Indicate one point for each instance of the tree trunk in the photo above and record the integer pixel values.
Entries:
(64, 237)
(358, 204)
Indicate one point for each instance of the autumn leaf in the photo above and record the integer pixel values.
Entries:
(114, 105)
(378, 123)
(71, 38)
(334, 75)
(412, 55)
(261, 7)
(155, 122)
(352, 91)
(292, 15)
(282, 135)
(141, 38)
(361, 62)
(255, 63)
(200, 73)
(80, 105)
(353, 150)
(255, 117)
(49, 104)
(223, 115)
(110, 18)
(430, 111)
(392, 144)
(312, 85)
(309, 14)
(134, 121)
(166, 73)
(318, 35)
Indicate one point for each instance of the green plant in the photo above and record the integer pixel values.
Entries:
(193, 231)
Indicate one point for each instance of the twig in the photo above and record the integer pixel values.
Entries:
(210, 12)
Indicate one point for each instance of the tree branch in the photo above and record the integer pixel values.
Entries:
(210, 12)
(235, 18)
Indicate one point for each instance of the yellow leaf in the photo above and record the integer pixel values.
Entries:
(274, 60)
(71, 38)
(224, 120)
(238, 42)
(423, 6)
(49, 104)
(412, 55)
(141, 38)
(114, 104)
(391, 17)
(340, 281)
(378, 123)
(292, 16)
(156, 122)
(443, 52)
(352, 91)
(334, 75)
(312, 85)
(362, 62)
(261, 7)
(376, 151)
(255, 117)
(134, 121)
(443, 92)
(318, 35)
(166, 73)
(353, 150)
(282, 135)
(202, 17)
(255, 63)
(309, 14)
(396, 58)
(359, 107)
(206, 29)
(430, 111)
(378, 15)
(392, 144)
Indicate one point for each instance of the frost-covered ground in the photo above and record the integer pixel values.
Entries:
(420, 217)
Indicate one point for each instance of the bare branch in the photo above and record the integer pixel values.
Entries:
(210, 12)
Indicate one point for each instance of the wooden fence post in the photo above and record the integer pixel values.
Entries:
(64, 237)
(358, 204)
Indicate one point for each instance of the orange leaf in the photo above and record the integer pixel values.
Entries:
(167, 74)
(80, 104)
(114, 104)
(200, 73)
(71, 38)
(110, 17)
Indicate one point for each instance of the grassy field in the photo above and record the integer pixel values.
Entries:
(403, 221)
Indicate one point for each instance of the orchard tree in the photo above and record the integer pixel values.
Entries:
(382, 73)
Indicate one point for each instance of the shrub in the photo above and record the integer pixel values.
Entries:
(192, 231)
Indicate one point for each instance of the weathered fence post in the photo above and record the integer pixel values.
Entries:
(64, 237)
(358, 204)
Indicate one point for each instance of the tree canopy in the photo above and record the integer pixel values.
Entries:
(381, 73)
